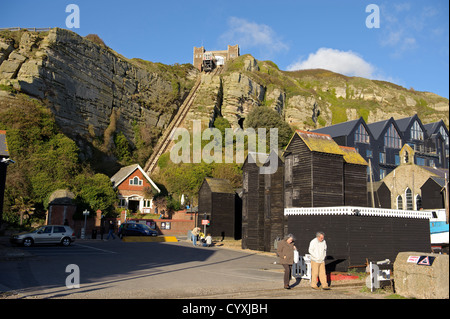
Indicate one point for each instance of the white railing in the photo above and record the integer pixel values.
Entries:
(358, 211)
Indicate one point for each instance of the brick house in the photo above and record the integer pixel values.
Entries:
(135, 189)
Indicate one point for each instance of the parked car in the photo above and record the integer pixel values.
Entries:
(135, 229)
(50, 234)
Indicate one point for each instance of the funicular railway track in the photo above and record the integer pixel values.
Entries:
(164, 141)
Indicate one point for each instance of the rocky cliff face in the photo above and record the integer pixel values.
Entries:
(92, 91)
(307, 99)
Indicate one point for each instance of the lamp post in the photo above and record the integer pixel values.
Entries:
(83, 231)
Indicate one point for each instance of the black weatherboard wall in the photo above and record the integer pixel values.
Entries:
(263, 217)
(351, 239)
(217, 199)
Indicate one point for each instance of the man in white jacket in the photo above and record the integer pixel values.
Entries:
(318, 251)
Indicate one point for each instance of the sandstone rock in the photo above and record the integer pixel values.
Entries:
(84, 82)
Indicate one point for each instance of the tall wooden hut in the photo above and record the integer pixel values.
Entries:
(252, 204)
(262, 204)
(217, 200)
(313, 171)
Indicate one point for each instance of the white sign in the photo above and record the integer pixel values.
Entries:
(413, 259)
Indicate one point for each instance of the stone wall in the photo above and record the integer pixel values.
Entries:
(422, 282)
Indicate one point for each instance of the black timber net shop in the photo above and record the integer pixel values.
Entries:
(357, 234)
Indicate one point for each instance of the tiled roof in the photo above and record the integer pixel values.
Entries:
(318, 142)
(219, 185)
(351, 156)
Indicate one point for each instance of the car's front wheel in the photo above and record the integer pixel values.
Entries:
(66, 241)
(28, 242)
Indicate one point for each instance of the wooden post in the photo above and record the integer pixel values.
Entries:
(371, 184)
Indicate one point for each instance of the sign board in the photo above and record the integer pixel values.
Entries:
(205, 222)
(413, 259)
(426, 260)
(421, 260)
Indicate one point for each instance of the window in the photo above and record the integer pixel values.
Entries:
(416, 131)
(361, 135)
(444, 135)
(136, 181)
(369, 153)
(147, 203)
(59, 229)
(392, 138)
(432, 163)
(418, 202)
(420, 161)
(122, 202)
(397, 159)
(399, 202)
(409, 199)
(382, 173)
(382, 158)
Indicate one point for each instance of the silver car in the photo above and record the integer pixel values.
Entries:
(50, 234)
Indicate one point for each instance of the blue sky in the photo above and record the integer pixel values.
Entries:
(410, 47)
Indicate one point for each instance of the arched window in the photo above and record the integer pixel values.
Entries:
(399, 202)
(409, 199)
(418, 202)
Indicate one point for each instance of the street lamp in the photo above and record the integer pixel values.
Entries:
(83, 231)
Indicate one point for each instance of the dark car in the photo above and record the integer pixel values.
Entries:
(135, 229)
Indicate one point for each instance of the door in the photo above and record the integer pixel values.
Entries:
(58, 233)
(43, 235)
(133, 205)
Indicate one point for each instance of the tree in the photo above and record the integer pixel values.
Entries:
(24, 207)
(95, 191)
(265, 117)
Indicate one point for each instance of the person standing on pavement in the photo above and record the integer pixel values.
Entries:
(111, 230)
(318, 251)
(194, 235)
(285, 251)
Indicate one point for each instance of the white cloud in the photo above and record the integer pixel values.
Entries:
(253, 35)
(343, 62)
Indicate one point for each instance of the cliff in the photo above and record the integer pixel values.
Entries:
(93, 91)
(308, 99)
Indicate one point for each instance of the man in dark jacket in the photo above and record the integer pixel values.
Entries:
(111, 230)
(285, 251)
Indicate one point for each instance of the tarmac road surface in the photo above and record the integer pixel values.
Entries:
(115, 269)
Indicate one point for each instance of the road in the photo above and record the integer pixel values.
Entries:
(115, 269)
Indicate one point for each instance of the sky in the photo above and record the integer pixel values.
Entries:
(404, 42)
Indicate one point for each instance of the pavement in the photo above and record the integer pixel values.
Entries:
(164, 271)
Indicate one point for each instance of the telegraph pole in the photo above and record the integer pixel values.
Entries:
(446, 196)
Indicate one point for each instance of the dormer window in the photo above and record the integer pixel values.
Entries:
(392, 138)
(136, 181)
(361, 135)
(416, 131)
